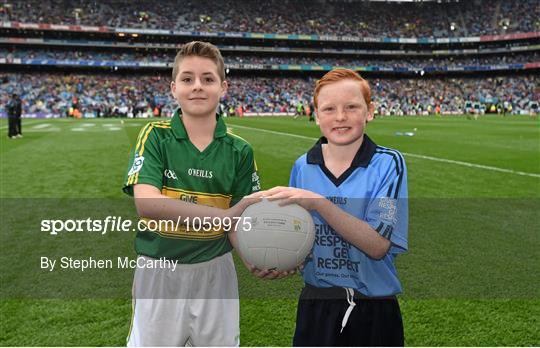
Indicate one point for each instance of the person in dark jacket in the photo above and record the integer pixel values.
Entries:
(14, 110)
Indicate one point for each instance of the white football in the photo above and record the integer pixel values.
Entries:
(274, 237)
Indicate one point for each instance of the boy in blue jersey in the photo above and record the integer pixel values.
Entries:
(357, 193)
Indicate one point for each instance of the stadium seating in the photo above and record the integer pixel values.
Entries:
(168, 57)
(110, 95)
(462, 74)
(430, 19)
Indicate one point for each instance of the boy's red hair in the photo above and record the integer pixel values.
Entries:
(337, 75)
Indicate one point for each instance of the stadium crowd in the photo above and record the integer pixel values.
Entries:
(144, 96)
(389, 62)
(333, 17)
(167, 57)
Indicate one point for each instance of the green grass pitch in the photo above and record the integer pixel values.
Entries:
(470, 276)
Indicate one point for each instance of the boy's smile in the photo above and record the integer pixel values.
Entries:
(195, 100)
(341, 129)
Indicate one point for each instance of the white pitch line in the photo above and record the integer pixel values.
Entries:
(473, 165)
(41, 125)
(43, 130)
(435, 159)
(25, 121)
(274, 132)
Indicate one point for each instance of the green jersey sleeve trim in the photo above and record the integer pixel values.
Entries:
(146, 164)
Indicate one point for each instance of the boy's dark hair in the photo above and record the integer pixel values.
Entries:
(199, 49)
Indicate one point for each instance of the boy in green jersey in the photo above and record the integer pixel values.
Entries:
(191, 173)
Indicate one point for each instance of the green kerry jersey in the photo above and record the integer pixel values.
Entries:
(219, 177)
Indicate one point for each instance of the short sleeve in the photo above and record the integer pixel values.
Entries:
(294, 172)
(388, 211)
(146, 162)
(247, 178)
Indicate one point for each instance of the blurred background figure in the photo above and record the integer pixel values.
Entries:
(14, 111)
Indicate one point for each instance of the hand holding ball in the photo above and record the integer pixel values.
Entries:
(279, 238)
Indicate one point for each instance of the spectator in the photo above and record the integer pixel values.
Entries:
(14, 111)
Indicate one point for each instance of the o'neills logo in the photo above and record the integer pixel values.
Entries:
(200, 173)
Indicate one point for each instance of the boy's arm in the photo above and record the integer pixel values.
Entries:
(354, 230)
(152, 204)
(386, 224)
(144, 181)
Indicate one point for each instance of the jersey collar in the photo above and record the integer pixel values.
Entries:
(180, 132)
(361, 159)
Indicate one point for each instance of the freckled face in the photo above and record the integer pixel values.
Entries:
(342, 112)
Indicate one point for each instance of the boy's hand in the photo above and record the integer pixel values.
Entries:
(245, 202)
(268, 274)
(238, 209)
(289, 195)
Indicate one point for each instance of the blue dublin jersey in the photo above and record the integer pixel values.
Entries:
(373, 189)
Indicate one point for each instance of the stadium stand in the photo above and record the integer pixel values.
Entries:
(167, 57)
(419, 19)
(113, 58)
(100, 95)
